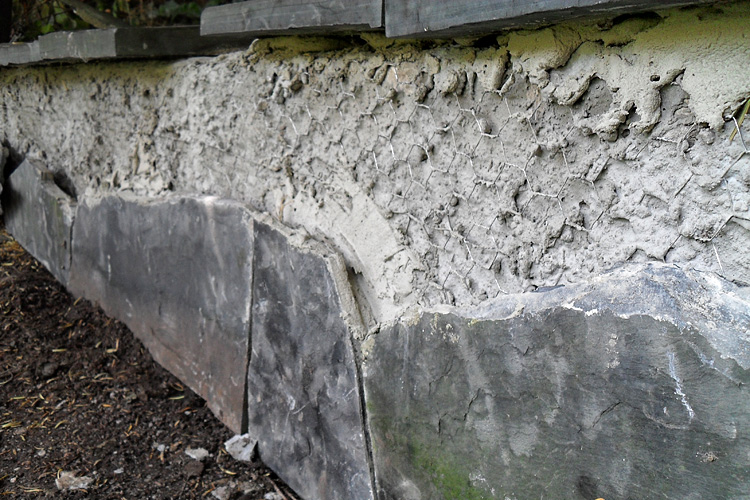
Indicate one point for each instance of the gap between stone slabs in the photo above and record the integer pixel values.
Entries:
(255, 318)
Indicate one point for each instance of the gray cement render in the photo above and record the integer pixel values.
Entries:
(41, 216)
(579, 392)
(442, 173)
(177, 273)
(303, 382)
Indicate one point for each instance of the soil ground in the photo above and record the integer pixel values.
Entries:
(81, 398)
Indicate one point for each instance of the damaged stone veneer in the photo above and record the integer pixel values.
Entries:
(444, 172)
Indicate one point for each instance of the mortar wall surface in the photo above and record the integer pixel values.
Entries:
(444, 172)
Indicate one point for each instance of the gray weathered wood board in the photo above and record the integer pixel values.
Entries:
(433, 18)
(271, 17)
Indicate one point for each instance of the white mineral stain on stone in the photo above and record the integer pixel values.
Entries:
(678, 385)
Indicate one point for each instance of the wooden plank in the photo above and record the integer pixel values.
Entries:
(172, 41)
(440, 18)
(274, 17)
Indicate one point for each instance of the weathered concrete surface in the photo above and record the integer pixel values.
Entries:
(445, 172)
(303, 383)
(268, 17)
(634, 386)
(40, 216)
(177, 272)
(453, 173)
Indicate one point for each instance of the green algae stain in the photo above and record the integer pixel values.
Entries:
(447, 475)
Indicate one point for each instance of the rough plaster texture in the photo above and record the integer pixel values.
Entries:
(444, 172)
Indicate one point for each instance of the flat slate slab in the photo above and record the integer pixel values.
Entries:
(273, 17)
(177, 272)
(114, 43)
(633, 387)
(438, 18)
(19, 53)
(303, 389)
(40, 216)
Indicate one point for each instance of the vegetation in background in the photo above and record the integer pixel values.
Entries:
(32, 18)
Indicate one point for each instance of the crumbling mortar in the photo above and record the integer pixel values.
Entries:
(313, 114)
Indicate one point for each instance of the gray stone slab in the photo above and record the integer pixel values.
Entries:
(172, 41)
(40, 217)
(177, 272)
(77, 45)
(568, 394)
(303, 391)
(431, 18)
(12, 54)
(4, 153)
(271, 17)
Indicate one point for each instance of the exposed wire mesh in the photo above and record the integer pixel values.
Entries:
(487, 191)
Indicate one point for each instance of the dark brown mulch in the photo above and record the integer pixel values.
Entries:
(80, 396)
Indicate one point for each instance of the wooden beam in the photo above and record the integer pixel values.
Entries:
(442, 18)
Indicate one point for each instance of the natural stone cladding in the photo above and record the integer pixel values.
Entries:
(630, 385)
(255, 319)
(617, 389)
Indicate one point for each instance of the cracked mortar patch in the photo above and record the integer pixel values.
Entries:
(640, 56)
